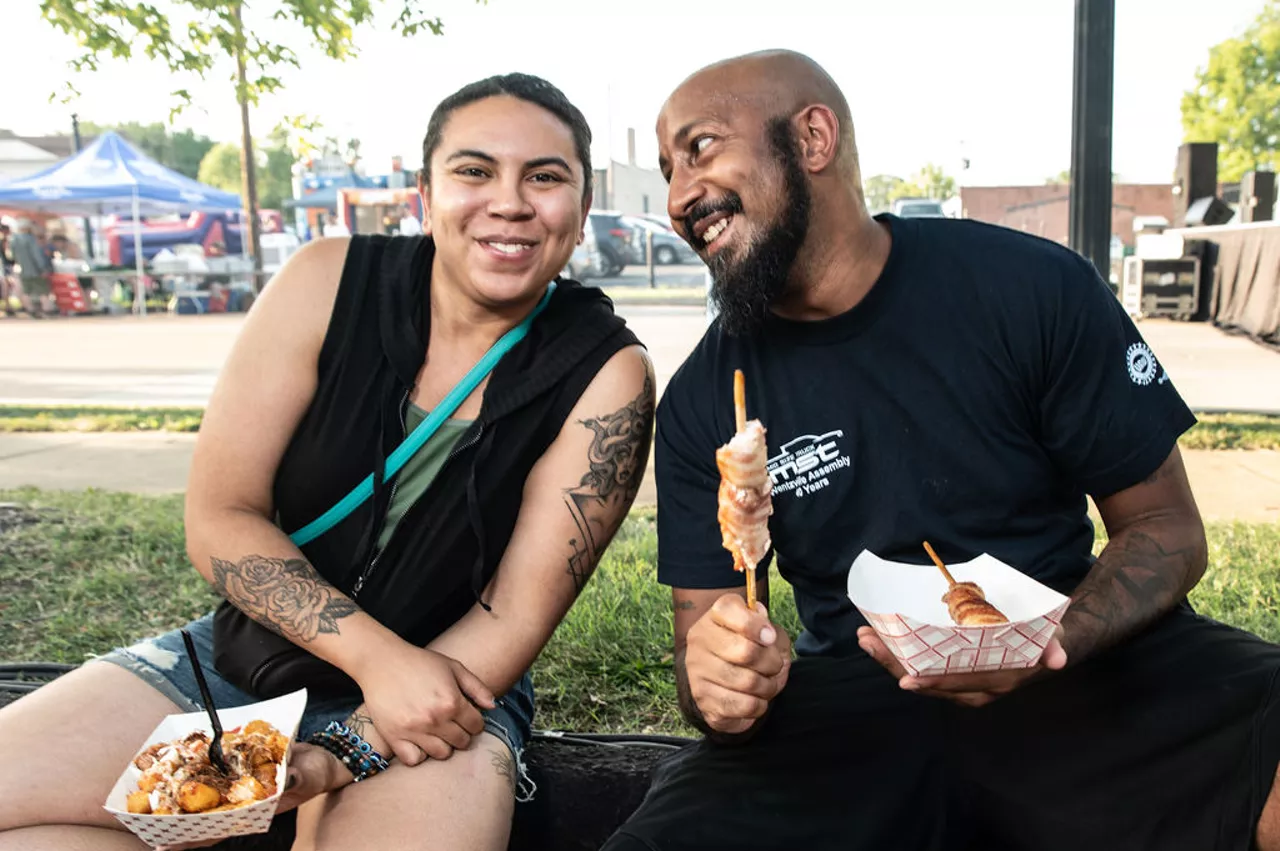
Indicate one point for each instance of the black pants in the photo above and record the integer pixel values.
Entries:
(1168, 742)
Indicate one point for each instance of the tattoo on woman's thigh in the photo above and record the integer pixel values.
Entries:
(505, 765)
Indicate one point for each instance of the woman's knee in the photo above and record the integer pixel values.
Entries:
(464, 803)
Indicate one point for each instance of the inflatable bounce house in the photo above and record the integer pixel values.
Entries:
(204, 229)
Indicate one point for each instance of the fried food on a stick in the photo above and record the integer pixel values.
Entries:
(965, 601)
(968, 606)
(744, 496)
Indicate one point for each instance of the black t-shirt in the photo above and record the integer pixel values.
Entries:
(987, 383)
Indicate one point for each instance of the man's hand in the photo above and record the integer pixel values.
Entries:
(965, 689)
(423, 703)
(736, 662)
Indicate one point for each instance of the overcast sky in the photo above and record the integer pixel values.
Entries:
(928, 80)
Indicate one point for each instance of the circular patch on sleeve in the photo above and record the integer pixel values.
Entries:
(1142, 364)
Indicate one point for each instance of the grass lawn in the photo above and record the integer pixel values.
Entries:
(1214, 431)
(28, 418)
(83, 572)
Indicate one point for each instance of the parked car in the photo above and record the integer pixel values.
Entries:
(668, 247)
(614, 239)
(918, 208)
(585, 262)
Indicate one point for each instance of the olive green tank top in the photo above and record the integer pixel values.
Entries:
(420, 470)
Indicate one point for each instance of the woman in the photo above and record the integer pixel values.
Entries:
(421, 611)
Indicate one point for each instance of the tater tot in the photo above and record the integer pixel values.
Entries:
(279, 743)
(196, 797)
(246, 789)
(138, 802)
(257, 726)
(266, 775)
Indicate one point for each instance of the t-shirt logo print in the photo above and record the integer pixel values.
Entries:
(1142, 364)
(804, 464)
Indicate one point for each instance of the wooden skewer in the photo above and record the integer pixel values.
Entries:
(739, 400)
(740, 423)
(951, 581)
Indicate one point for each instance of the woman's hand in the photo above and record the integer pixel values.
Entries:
(424, 704)
(312, 771)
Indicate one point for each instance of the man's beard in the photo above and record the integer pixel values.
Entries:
(746, 284)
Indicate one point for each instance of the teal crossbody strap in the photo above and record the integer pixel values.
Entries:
(425, 429)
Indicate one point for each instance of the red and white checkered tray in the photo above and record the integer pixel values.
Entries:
(903, 604)
(284, 713)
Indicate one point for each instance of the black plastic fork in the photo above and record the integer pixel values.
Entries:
(215, 746)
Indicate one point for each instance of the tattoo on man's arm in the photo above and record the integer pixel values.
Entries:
(617, 458)
(1136, 579)
(285, 595)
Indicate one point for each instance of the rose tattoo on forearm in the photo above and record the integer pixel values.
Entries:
(285, 595)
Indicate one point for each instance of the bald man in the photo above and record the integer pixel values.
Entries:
(949, 381)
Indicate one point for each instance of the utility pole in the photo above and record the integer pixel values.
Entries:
(249, 182)
(88, 227)
(1091, 122)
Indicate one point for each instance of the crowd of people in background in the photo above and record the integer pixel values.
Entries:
(27, 256)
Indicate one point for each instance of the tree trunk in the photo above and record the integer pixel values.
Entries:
(249, 183)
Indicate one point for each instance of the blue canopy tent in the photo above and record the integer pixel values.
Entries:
(112, 177)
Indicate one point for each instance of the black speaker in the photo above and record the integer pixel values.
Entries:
(1208, 253)
(1208, 211)
(1257, 196)
(1196, 177)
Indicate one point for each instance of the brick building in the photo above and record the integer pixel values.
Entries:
(1045, 211)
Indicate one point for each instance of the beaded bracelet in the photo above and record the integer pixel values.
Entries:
(353, 751)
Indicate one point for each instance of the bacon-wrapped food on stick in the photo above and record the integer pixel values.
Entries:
(744, 497)
(965, 601)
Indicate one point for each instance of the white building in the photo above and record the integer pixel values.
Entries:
(628, 188)
(19, 158)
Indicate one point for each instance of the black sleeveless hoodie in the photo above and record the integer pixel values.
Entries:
(447, 546)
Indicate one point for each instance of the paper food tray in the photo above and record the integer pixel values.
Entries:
(903, 604)
(284, 713)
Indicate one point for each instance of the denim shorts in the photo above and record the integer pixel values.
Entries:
(162, 663)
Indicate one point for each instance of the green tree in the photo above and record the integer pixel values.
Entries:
(930, 182)
(187, 150)
(878, 191)
(195, 35)
(220, 168)
(1236, 99)
(180, 150)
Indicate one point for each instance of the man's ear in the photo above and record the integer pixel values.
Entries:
(819, 132)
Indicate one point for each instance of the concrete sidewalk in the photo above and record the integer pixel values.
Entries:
(1229, 485)
(175, 360)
